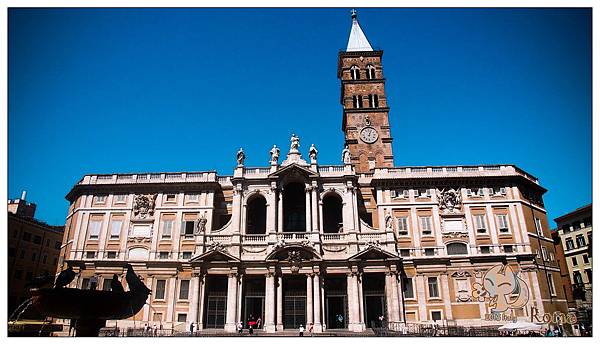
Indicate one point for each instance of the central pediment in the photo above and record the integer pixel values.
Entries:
(293, 170)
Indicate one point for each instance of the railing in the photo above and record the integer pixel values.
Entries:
(256, 171)
(218, 238)
(461, 171)
(255, 238)
(366, 237)
(149, 178)
(331, 168)
(293, 236)
(333, 237)
(391, 329)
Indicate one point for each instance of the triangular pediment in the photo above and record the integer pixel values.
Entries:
(373, 253)
(214, 255)
(293, 169)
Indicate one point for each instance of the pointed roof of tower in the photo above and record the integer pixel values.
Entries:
(357, 42)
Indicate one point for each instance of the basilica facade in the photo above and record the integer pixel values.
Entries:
(297, 242)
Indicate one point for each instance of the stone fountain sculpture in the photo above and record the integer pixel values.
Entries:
(91, 308)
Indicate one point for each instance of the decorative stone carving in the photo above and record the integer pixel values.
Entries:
(279, 244)
(307, 243)
(312, 153)
(253, 249)
(389, 222)
(461, 274)
(201, 225)
(143, 205)
(295, 259)
(216, 246)
(373, 244)
(335, 248)
(454, 235)
(294, 143)
(274, 154)
(240, 157)
(449, 200)
(346, 158)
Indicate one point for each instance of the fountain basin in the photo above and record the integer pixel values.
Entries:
(67, 303)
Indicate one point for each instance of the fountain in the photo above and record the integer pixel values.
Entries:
(89, 309)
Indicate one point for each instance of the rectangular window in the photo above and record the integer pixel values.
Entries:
(407, 283)
(33, 256)
(193, 197)
(432, 284)
(357, 101)
(167, 228)
(586, 259)
(403, 226)
(184, 289)
(170, 197)
(99, 199)
(115, 228)
(424, 193)
(538, 226)
(189, 227)
(94, 228)
(85, 283)
(502, 222)
(160, 289)
(485, 249)
(163, 255)
(120, 198)
(508, 249)
(90, 255)
(551, 285)
(480, 191)
(405, 253)
(27, 236)
(186, 255)
(181, 317)
(569, 243)
(574, 260)
(580, 241)
(436, 315)
(37, 239)
(106, 285)
(425, 225)
(544, 253)
(111, 255)
(429, 251)
(480, 224)
(399, 193)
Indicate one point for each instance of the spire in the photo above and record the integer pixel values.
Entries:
(357, 42)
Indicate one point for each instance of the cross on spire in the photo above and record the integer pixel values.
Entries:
(353, 12)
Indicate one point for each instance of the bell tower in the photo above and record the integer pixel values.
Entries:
(365, 120)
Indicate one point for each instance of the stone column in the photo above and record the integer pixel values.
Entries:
(231, 303)
(395, 301)
(307, 207)
(280, 210)
(269, 303)
(147, 306)
(317, 303)
(315, 214)
(445, 289)
(354, 323)
(361, 300)
(239, 298)
(202, 281)
(279, 325)
(195, 282)
(236, 208)
(309, 300)
(388, 297)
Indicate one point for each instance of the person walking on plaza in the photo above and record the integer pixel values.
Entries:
(310, 329)
(301, 330)
(191, 329)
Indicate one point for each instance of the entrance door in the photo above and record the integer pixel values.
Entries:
(253, 310)
(374, 308)
(294, 302)
(216, 308)
(336, 312)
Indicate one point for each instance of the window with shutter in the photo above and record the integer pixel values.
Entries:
(167, 228)
(403, 226)
(115, 228)
(538, 226)
(95, 228)
(393, 193)
(432, 284)
(502, 222)
(409, 291)
(184, 288)
(480, 223)
(426, 225)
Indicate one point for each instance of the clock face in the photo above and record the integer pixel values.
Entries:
(369, 135)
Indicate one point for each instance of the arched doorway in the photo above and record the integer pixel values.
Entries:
(332, 213)
(294, 208)
(256, 215)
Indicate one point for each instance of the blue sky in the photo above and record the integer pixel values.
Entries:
(138, 90)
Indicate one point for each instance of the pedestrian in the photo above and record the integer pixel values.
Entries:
(240, 327)
(310, 329)
(258, 323)
(146, 329)
(251, 329)
(191, 329)
(155, 330)
(301, 330)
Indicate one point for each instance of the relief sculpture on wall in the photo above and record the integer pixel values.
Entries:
(143, 205)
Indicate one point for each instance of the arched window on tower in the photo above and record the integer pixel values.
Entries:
(370, 72)
(256, 216)
(357, 101)
(374, 101)
(332, 213)
(457, 248)
(355, 72)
